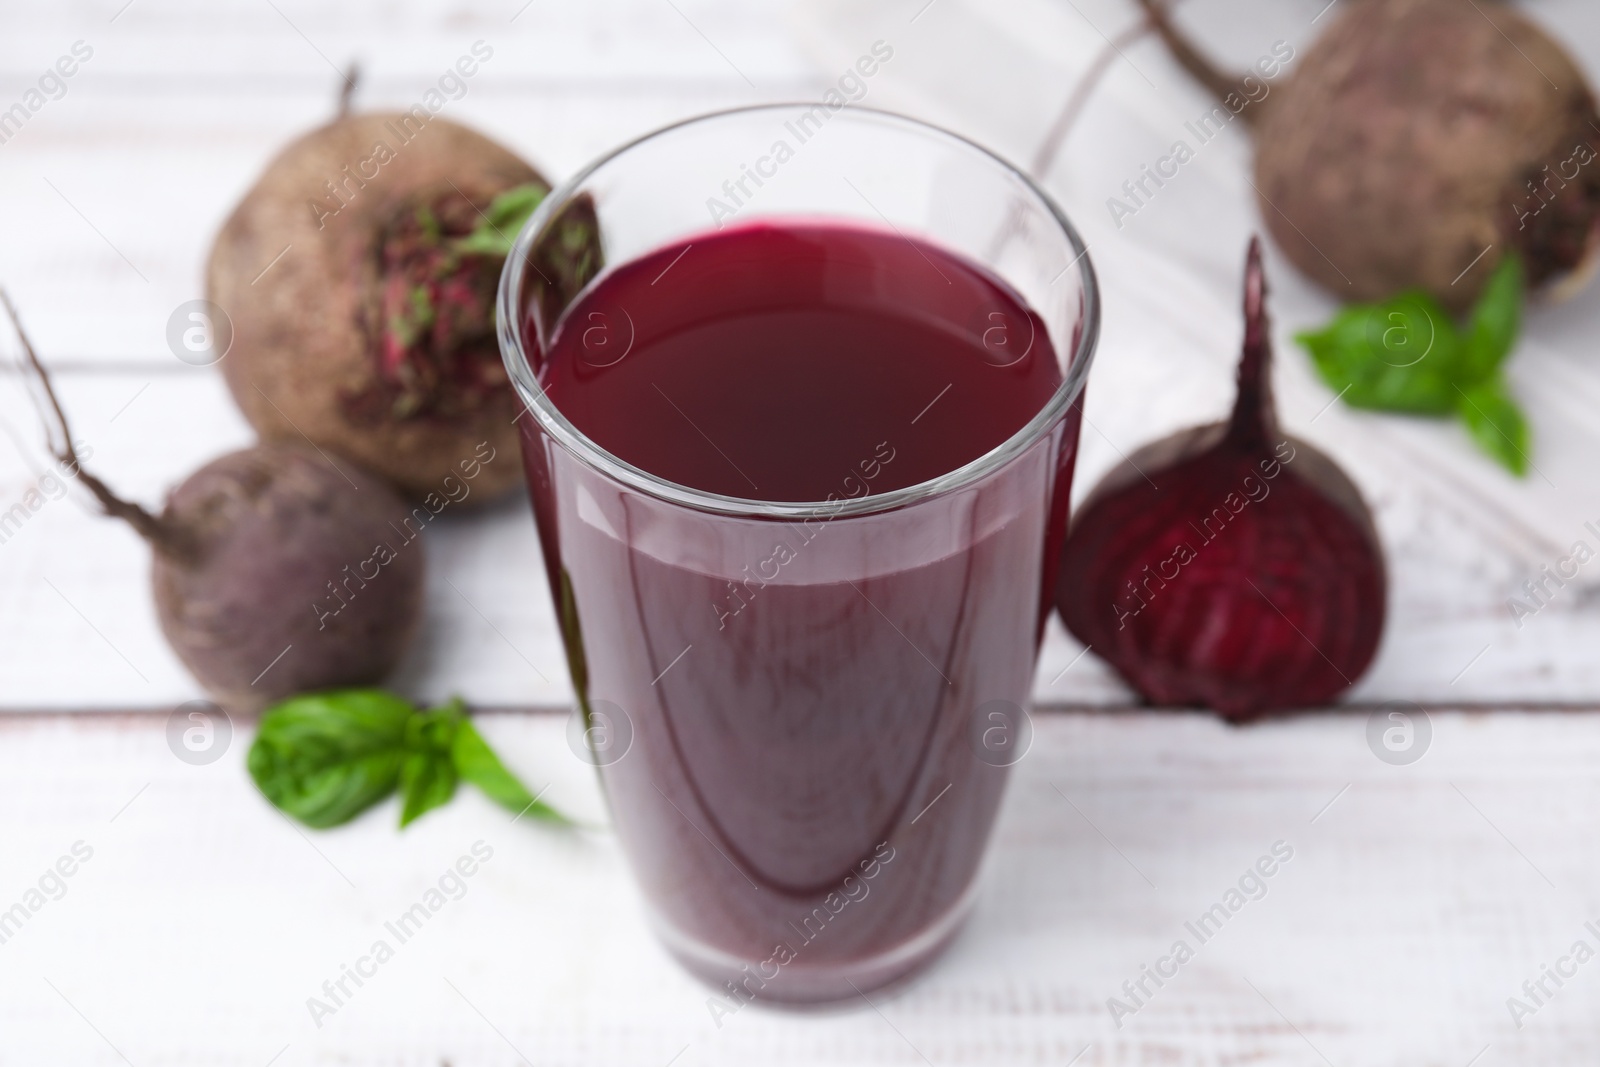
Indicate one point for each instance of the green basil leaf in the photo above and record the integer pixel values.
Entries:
(477, 763)
(1496, 423)
(427, 781)
(500, 224)
(1401, 355)
(1406, 355)
(1496, 319)
(435, 730)
(324, 758)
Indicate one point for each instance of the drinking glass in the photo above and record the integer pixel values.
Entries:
(803, 714)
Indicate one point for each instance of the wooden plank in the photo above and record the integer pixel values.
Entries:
(1414, 904)
(308, 42)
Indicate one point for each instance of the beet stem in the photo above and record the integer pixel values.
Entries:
(1056, 136)
(160, 534)
(1189, 56)
(1255, 418)
(351, 76)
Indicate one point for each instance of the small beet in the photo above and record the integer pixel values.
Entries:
(275, 572)
(280, 554)
(1228, 565)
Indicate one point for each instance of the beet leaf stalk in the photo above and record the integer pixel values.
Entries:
(163, 536)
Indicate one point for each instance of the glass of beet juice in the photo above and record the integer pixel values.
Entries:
(800, 435)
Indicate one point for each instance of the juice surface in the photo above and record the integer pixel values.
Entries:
(770, 362)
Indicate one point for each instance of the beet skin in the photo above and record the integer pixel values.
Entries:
(282, 574)
(371, 336)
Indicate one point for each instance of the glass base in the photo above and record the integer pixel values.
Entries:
(797, 985)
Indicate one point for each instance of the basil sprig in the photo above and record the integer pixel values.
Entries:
(324, 758)
(1407, 355)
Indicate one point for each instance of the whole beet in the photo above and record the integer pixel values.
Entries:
(1418, 134)
(1229, 565)
(285, 574)
(274, 570)
(370, 336)
(1414, 143)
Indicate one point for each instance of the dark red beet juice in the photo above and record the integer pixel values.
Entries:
(777, 363)
(791, 709)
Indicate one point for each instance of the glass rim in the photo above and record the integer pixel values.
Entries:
(509, 312)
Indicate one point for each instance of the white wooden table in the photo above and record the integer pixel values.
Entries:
(1419, 897)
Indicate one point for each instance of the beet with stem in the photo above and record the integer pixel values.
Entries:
(1228, 565)
(1415, 143)
(274, 571)
(360, 273)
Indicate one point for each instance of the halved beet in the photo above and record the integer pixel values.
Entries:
(1228, 566)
